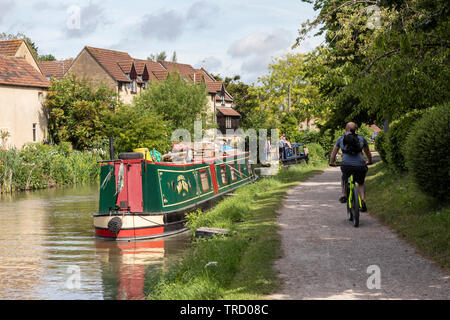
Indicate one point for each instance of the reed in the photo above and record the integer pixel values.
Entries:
(38, 166)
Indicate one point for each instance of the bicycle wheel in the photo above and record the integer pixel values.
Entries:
(355, 206)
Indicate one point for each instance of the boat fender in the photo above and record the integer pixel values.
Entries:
(115, 224)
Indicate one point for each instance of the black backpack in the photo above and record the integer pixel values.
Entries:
(351, 144)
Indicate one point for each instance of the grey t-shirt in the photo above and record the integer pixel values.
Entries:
(349, 159)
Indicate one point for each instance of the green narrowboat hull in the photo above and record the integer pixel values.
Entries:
(140, 199)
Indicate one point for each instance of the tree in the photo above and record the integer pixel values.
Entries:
(381, 59)
(135, 127)
(247, 104)
(161, 56)
(174, 57)
(177, 101)
(288, 89)
(76, 112)
(46, 57)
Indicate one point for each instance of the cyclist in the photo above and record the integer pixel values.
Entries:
(353, 162)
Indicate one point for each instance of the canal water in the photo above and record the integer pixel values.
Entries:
(48, 250)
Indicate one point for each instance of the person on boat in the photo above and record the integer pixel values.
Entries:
(286, 142)
(353, 162)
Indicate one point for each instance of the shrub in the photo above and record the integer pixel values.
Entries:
(380, 145)
(428, 154)
(396, 138)
(316, 153)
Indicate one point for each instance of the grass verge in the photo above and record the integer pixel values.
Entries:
(421, 220)
(240, 265)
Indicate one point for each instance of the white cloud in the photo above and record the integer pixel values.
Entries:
(91, 17)
(170, 24)
(5, 7)
(262, 43)
(166, 25)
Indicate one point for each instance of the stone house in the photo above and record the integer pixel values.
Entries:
(22, 93)
(118, 70)
(130, 76)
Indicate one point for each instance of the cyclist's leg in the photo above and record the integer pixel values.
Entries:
(360, 176)
(344, 184)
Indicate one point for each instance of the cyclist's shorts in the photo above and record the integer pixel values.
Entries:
(359, 173)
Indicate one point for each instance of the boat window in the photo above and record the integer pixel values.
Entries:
(204, 180)
(223, 174)
(233, 172)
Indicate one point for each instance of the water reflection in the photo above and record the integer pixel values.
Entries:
(45, 233)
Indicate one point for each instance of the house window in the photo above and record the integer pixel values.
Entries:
(228, 122)
(204, 180)
(119, 86)
(223, 100)
(34, 132)
(223, 174)
(133, 87)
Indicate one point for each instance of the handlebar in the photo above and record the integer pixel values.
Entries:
(340, 164)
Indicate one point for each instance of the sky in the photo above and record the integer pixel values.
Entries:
(227, 37)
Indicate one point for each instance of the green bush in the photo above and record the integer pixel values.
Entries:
(316, 153)
(397, 136)
(428, 154)
(380, 145)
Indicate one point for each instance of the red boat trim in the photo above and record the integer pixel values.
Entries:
(129, 233)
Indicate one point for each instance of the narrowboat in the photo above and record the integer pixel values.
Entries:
(294, 154)
(143, 199)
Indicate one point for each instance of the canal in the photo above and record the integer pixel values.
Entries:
(48, 250)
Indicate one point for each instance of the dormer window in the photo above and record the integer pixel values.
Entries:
(133, 87)
(223, 99)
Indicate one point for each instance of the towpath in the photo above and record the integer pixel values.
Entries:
(325, 257)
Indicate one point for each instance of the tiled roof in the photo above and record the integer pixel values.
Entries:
(155, 70)
(182, 68)
(17, 72)
(214, 87)
(228, 112)
(10, 47)
(55, 69)
(109, 60)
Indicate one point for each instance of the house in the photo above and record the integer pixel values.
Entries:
(118, 70)
(54, 69)
(130, 76)
(19, 48)
(22, 92)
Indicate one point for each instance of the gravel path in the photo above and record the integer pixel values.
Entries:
(325, 257)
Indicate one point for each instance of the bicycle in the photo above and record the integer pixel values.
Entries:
(353, 203)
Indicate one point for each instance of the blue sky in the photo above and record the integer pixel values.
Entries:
(227, 37)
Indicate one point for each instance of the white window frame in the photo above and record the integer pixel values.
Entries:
(228, 123)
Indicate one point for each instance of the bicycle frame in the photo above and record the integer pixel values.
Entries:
(352, 211)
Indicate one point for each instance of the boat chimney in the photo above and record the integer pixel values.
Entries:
(111, 148)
